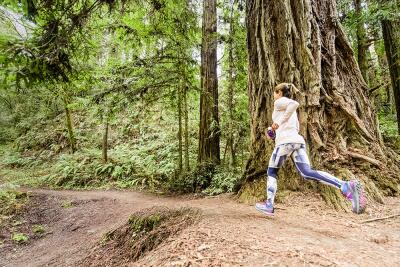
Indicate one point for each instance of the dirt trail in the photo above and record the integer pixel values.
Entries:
(303, 231)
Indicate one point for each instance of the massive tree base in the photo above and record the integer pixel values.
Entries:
(302, 42)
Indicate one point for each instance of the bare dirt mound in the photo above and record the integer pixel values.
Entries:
(143, 232)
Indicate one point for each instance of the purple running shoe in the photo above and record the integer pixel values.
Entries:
(353, 191)
(265, 207)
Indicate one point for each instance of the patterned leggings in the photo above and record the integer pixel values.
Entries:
(302, 163)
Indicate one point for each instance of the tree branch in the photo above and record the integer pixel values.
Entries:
(381, 218)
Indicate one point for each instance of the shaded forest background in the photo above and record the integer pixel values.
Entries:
(153, 94)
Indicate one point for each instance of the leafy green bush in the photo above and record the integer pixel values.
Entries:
(14, 160)
(86, 169)
(38, 229)
(223, 181)
(11, 201)
(10, 158)
(83, 169)
(192, 182)
(206, 178)
(19, 237)
(388, 124)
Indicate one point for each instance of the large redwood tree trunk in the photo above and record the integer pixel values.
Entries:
(301, 41)
(209, 131)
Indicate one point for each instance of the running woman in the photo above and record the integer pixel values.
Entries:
(288, 143)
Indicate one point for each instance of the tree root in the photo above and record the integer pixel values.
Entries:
(366, 158)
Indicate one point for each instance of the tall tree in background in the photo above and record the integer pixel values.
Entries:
(302, 42)
(68, 119)
(231, 85)
(186, 131)
(209, 131)
(180, 131)
(362, 46)
(391, 37)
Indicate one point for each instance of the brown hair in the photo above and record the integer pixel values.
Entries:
(288, 90)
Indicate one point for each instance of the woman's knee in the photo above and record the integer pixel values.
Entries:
(273, 172)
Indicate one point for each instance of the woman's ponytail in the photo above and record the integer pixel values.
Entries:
(288, 90)
(294, 92)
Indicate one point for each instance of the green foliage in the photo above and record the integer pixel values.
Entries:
(192, 182)
(19, 237)
(14, 160)
(11, 201)
(234, 38)
(205, 178)
(142, 225)
(124, 169)
(122, 66)
(38, 229)
(223, 181)
(67, 204)
(388, 124)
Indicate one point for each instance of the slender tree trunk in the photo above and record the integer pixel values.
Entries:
(105, 141)
(391, 37)
(389, 99)
(180, 151)
(186, 134)
(209, 132)
(302, 42)
(383, 64)
(231, 88)
(362, 47)
(224, 156)
(72, 141)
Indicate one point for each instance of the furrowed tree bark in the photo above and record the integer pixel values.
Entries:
(302, 41)
(209, 133)
(391, 37)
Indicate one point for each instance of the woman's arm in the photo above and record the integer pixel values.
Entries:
(289, 110)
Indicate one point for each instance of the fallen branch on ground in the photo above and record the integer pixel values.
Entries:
(381, 218)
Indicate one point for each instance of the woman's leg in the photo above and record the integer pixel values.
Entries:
(278, 157)
(302, 163)
(352, 190)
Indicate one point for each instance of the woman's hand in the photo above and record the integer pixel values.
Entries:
(266, 134)
(275, 126)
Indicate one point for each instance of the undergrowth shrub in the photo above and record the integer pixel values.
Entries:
(223, 181)
(126, 167)
(51, 135)
(10, 158)
(11, 201)
(194, 181)
(205, 178)
(389, 130)
(388, 124)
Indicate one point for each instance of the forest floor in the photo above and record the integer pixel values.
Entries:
(303, 232)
